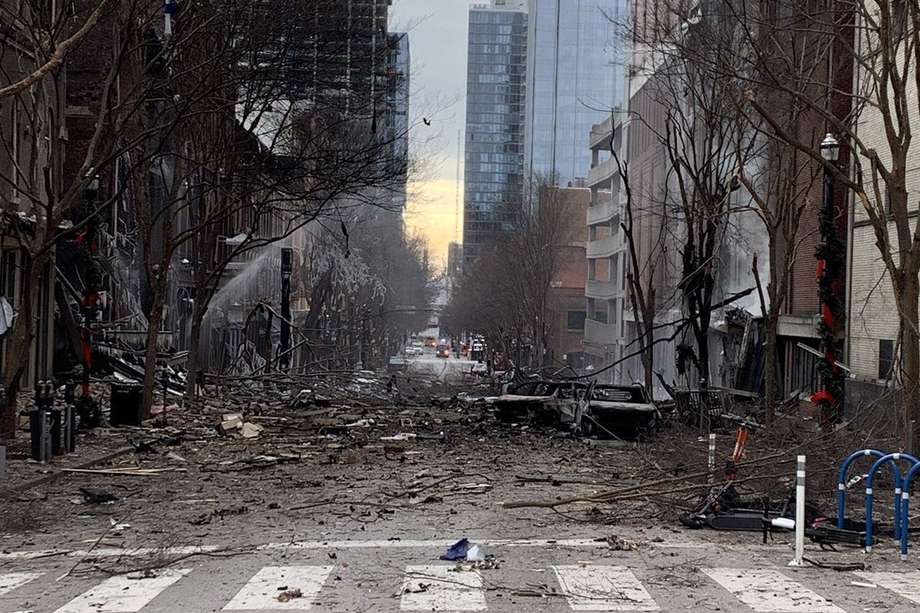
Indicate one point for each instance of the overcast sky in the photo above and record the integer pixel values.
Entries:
(437, 39)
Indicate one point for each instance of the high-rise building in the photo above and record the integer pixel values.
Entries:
(397, 114)
(493, 176)
(454, 259)
(576, 72)
(330, 53)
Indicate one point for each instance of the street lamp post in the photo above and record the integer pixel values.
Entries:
(829, 273)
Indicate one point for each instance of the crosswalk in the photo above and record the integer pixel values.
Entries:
(445, 587)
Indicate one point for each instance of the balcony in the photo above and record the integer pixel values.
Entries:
(601, 134)
(602, 174)
(603, 248)
(598, 333)
(602, 290)
(603, 211)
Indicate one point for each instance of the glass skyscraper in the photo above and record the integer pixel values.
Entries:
(575, 75)
(495, 89)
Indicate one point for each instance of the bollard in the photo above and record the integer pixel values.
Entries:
(712, 456)
(799, 511)
(40, 423)
(70, 429)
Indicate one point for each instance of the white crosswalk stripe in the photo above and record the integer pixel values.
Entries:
(263, 590)
(12, 581)
(603, 588)
(904, 584)
(122, 594)
(442, 588)
(770, 591)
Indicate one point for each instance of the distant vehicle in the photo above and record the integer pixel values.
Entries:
(478, 351)
(443, 350)
(431, 342)
(396, 364)
(418, 344)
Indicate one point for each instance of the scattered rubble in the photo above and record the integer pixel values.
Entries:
(364, 461)
(289, 595)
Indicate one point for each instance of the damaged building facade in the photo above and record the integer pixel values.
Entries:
(221, 253)
(615, 317)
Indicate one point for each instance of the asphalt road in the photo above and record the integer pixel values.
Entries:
(406, 575)
(359, 521)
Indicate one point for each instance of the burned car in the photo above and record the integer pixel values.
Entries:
(620, 411)
(538, 402)
(623, 410)
(588, 409)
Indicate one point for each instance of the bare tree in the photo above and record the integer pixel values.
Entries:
(36, 193)
(50, 38)
(507, 293)
(877, 41)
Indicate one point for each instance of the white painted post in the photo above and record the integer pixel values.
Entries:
(712, 456)
(799, 511)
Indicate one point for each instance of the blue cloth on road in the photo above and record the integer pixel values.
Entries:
(457, 551)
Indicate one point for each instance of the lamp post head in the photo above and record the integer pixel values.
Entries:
(830, 148)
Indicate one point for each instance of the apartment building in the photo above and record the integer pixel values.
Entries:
(604, 336)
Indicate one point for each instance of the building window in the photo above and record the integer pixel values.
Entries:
(576, 320)
(885, 358)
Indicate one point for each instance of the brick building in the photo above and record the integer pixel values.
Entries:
(567, 289)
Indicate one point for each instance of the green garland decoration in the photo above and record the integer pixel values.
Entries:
(831, 267)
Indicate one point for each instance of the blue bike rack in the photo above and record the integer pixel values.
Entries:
(905, 504)
(842, 479)
(891, 459)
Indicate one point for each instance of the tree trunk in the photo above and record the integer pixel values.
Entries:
(150, 351)
(648, 353)
(771, 323)
(702, 347)
(18, 347)
(194, 352)
(910, 363)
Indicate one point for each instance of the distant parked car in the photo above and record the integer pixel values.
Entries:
(396, 364)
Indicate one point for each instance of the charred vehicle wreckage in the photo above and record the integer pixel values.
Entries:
(587, 409)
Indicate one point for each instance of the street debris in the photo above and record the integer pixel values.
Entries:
(233, 425)
(123, 472)
(457, 551)
(465, 551)
(93, 495)
(117, 526)
(250, 430)
(618, 543)
(288, 595)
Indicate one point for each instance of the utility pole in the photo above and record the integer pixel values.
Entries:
(287, 255)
